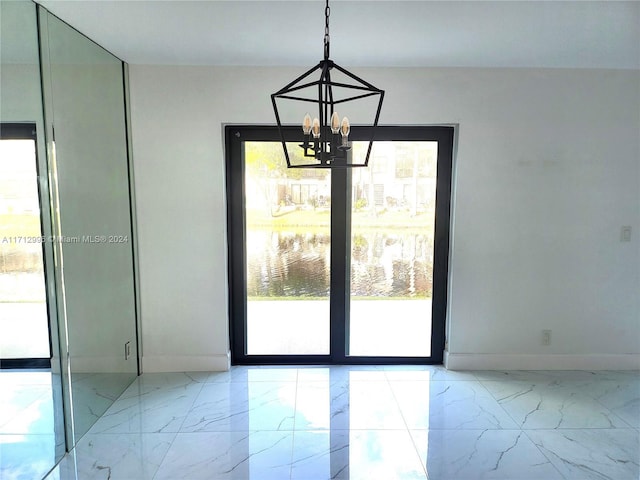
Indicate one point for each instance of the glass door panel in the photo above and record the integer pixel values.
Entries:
(288, 246)
(392, 243)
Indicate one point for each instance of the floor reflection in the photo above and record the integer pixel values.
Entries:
(93, 394)
(365, 423)
(28, 446)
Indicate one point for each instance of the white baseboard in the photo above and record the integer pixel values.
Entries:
(185, 363)
(102, 364)
(500, 361)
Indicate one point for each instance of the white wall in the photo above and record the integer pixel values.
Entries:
(546, 173)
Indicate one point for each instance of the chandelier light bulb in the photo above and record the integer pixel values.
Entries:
(335, 123)
(345, 128)
(306, 124)
(316, 128)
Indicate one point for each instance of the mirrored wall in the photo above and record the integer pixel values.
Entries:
(32, 428)
(68, 343)
(86, 124)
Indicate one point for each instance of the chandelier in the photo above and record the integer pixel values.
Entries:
(324, 138)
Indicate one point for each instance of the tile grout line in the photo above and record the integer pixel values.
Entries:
(501, 407)
(525, 432)
(610, 410)
(546, 436)
(295, 416)
(413, 442)
(195, 398)
(563, 381)
(581, 429)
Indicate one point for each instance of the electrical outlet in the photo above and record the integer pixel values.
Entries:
(625, 233)
(127, 350)
(546, 337)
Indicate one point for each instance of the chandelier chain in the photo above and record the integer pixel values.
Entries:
(327, 12)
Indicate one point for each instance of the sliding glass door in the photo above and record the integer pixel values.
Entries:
(288, 245)
(392, 242)
(343, 266)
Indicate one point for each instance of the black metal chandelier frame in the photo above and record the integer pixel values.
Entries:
(326, 140)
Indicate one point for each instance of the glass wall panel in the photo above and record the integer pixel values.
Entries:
(85, 116)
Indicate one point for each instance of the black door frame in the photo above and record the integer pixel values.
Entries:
(235, 136)
(27, 131)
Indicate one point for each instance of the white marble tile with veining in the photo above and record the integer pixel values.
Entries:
(172, 379)
(513, 375)
(621, 396)
(543, 376)
(351, 422)
(552, 405)
(240, 407)
(450, 405)
(585, 454)
(93, 394)
(633, 375)
(153, 411)
(315, 373)
(586, 375)
(320, 454)
(342, 374)
(151, 383)
(356, 454)
(116, 456)
(433, 373)
(228, 455)
(322, 405)
(371, 405)
(482, 454)
(243, 374)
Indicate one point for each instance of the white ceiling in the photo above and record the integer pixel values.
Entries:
(580, 34)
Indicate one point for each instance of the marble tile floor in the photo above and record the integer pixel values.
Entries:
(395, 422)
